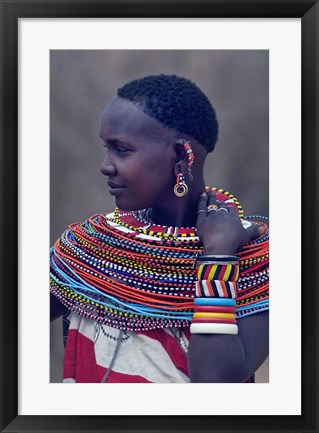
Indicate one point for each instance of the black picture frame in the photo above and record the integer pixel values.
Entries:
(11, 11)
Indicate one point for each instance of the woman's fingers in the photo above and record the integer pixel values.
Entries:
(202, 208)
(212, 205)
(222, 207)
(219, 226)
(232, 210)
(208, 204)
(211, 198)
(252, 231)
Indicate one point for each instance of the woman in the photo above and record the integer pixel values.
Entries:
(173, 285)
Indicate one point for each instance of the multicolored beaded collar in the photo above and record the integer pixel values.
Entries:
(124, 271)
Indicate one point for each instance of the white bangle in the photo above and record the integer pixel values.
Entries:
(213, 328)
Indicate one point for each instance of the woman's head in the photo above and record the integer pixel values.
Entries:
(144, 128)
(177, 103)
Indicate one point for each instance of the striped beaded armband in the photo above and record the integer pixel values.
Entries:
(214, 271)
(216, 289)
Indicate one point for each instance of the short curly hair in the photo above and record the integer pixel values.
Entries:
(177, 103)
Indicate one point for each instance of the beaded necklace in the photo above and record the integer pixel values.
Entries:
(124, 271)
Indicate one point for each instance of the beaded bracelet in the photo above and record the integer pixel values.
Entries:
(208, 315)
(216, 289)
(217, 259)
(214, 309)
(215, 301)
(216, 285)
(213, 328)
(213, 259)
(215, 271)
(214, 320)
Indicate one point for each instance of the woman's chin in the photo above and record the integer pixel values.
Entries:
(123, 205)
(128, 207)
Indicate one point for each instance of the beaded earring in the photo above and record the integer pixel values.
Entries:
(190, 156)
(180, 189)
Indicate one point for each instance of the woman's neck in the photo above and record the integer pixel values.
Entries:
(179, 212)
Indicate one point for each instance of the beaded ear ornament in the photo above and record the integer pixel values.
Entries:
(190, 157)
(181, 188)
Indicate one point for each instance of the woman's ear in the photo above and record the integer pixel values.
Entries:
(178, 168)
(185, 156)
(180, 165)
(181, 154)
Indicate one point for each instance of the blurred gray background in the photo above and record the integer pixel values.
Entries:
(82, 82)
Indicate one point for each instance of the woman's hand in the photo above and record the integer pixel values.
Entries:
(219, 227)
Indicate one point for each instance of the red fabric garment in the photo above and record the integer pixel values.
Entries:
(148, 356)
(143, 357)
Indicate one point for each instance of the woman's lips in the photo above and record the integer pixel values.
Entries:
(115, 189)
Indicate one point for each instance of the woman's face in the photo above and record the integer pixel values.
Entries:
(140, 156)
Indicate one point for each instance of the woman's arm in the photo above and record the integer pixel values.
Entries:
(224, 357)
(56, 308)
(230, 358)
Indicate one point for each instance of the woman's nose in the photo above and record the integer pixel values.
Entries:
(107, 167)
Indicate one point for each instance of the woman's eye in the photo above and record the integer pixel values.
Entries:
(120, 149)
(112, 147)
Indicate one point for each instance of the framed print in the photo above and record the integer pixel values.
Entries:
(48, 49)
(245, 106)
